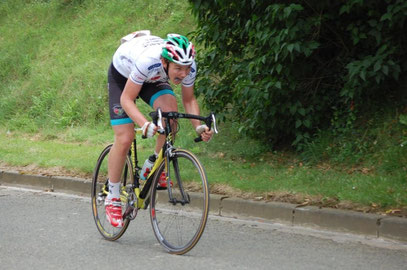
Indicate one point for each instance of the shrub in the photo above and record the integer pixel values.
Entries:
(285, 69)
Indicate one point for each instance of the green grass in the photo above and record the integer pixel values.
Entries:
(54, 56)
(268, 175)
(55, 68)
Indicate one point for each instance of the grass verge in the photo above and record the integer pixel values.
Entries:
(277, 176)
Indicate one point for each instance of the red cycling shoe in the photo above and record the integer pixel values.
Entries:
(113, 209)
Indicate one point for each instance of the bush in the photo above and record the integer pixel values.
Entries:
(285, 70)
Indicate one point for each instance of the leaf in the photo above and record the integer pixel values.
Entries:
(307, 123)
(313, 45)
(385, 70)
(297, 47)
(290, 47)
(386, 16)
(293, 109)
(363, 75)
(307, 52)
(279, 68)
(382, 49)
(298, 123)
(344, 9)
(377, 66)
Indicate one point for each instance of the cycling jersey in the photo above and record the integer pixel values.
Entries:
(140, 60)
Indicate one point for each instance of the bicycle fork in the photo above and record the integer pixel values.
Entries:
(185, 199)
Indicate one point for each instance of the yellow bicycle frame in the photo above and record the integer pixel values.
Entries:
(124, 194)
(160, 158)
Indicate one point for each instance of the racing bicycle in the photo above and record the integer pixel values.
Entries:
(178, 213)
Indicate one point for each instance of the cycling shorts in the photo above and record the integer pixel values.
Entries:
(149, 93)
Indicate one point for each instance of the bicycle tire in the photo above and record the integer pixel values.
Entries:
(99, 180)
(179, 227)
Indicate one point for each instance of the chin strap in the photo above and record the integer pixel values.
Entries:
(166, 69)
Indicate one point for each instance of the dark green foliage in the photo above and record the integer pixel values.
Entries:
(285, 69)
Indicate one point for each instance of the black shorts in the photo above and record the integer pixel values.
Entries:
(149, 93)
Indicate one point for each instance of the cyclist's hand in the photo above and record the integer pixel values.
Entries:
(205, 133)
(149, 129)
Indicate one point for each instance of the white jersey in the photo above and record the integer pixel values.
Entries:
(139, 60)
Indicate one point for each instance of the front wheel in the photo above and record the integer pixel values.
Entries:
(179, 214)
(100, 191)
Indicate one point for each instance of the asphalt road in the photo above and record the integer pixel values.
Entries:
(41, 230)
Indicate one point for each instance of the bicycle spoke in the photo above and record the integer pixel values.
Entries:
(179, 226)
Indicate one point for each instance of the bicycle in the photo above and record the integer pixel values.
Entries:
(178, 214)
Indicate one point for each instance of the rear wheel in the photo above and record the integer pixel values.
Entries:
(178, 224)
(100, 191)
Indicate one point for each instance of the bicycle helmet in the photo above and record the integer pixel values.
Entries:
(178, 49)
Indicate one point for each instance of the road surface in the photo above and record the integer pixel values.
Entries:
(46, 230)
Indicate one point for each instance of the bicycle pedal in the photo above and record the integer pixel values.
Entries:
(100, 199)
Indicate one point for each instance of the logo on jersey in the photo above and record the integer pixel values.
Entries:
(154, 66)
(118, 110)
(155, 78)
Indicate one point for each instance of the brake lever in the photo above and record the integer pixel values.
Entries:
(210, 120)
(160, 122)
(215, 128)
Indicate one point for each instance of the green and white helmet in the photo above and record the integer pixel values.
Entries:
(178, 49)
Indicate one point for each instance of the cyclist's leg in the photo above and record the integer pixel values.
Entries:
(167, 103)
(159, 94)
(116, 159)
(123, 137)
(123, 126)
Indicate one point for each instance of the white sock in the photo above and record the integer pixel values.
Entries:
(114, 190)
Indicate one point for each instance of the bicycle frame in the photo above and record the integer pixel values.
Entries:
(142, 195)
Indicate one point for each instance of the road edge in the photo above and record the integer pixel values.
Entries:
(369, 225)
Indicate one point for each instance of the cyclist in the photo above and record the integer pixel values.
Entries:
(142, 68)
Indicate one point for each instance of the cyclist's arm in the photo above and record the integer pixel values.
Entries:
(190, 103)
(129, 95)
(191, 106)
